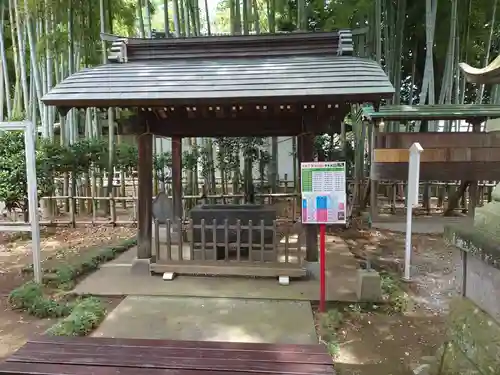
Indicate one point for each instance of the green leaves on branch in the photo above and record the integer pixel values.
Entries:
(13, 189)
(52, 162)
(55, 161)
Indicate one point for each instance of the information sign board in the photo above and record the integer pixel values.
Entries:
(323, 192)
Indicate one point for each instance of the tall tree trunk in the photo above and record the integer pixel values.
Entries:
(22, 55)
(166, 21)
(480, 91)
(5, 70)
(142, 30)
(177, 24)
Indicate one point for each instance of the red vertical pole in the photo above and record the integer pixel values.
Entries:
(322, 265)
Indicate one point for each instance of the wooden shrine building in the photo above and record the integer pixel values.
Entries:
(447, 156)
(297, 84)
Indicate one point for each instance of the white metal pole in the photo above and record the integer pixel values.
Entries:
(409, 212)
(29, 139)
(411, 200)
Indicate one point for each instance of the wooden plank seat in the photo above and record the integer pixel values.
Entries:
(47, 355)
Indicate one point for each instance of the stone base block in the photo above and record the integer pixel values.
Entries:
(369, 286)
(313, 270)
(141, 267)
(284, 280)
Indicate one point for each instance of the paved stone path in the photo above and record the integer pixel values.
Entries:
(115, 278)
(211, 319)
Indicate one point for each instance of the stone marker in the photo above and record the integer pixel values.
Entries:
(163, 210)
(369, 286)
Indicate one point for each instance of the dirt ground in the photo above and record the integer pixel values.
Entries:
(369, 343)
(58, 245)
(372, 343)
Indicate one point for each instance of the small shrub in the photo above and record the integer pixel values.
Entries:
(48, 308)
(356, 311)
(332, 319)
(333, 348)
(29, 297)
(87, 314)
(395, 295)
(329, 324)
(25, 296)
(64, 276)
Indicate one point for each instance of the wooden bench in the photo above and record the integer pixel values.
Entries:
(49, 355)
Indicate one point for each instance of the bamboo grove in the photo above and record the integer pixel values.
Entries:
(418, 42)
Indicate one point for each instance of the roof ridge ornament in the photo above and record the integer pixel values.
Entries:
(118, 50)
(297, 44)
(345, 47)
(490, 74)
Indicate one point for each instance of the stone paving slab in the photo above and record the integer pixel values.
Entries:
(115, 279)
(211, 319)
(118, 281)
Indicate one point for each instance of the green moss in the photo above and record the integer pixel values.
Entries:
(455, 362)
(474, 340)
(476, 242)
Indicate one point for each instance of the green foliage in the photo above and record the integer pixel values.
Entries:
(52, 161)
(63, 276)
(13, 189)
(81, 317)
(329, 325)
(127, 157)
(328, 147)
(84, 318)
(190, 159)
(394, 293)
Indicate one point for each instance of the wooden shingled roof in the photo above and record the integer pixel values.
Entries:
(294, 67)
(480, 112)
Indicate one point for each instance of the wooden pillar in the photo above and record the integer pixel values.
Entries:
(307, 155)
(298, 187)
(473, 188)
(373, 183)
(145, 196)
(177, 176)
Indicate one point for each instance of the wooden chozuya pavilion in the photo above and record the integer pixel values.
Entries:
(297, 84)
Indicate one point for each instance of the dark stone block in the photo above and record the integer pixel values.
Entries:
(232, 213)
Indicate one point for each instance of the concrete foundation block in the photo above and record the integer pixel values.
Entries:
(141, 267)
(313, 270)
(168, 276)
(369, 286)
(284, 280)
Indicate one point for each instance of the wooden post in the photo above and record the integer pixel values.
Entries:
(297, 182)
(373, 182)
(473, 189)
(177, 176)
(145, 199)
(307, 154)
